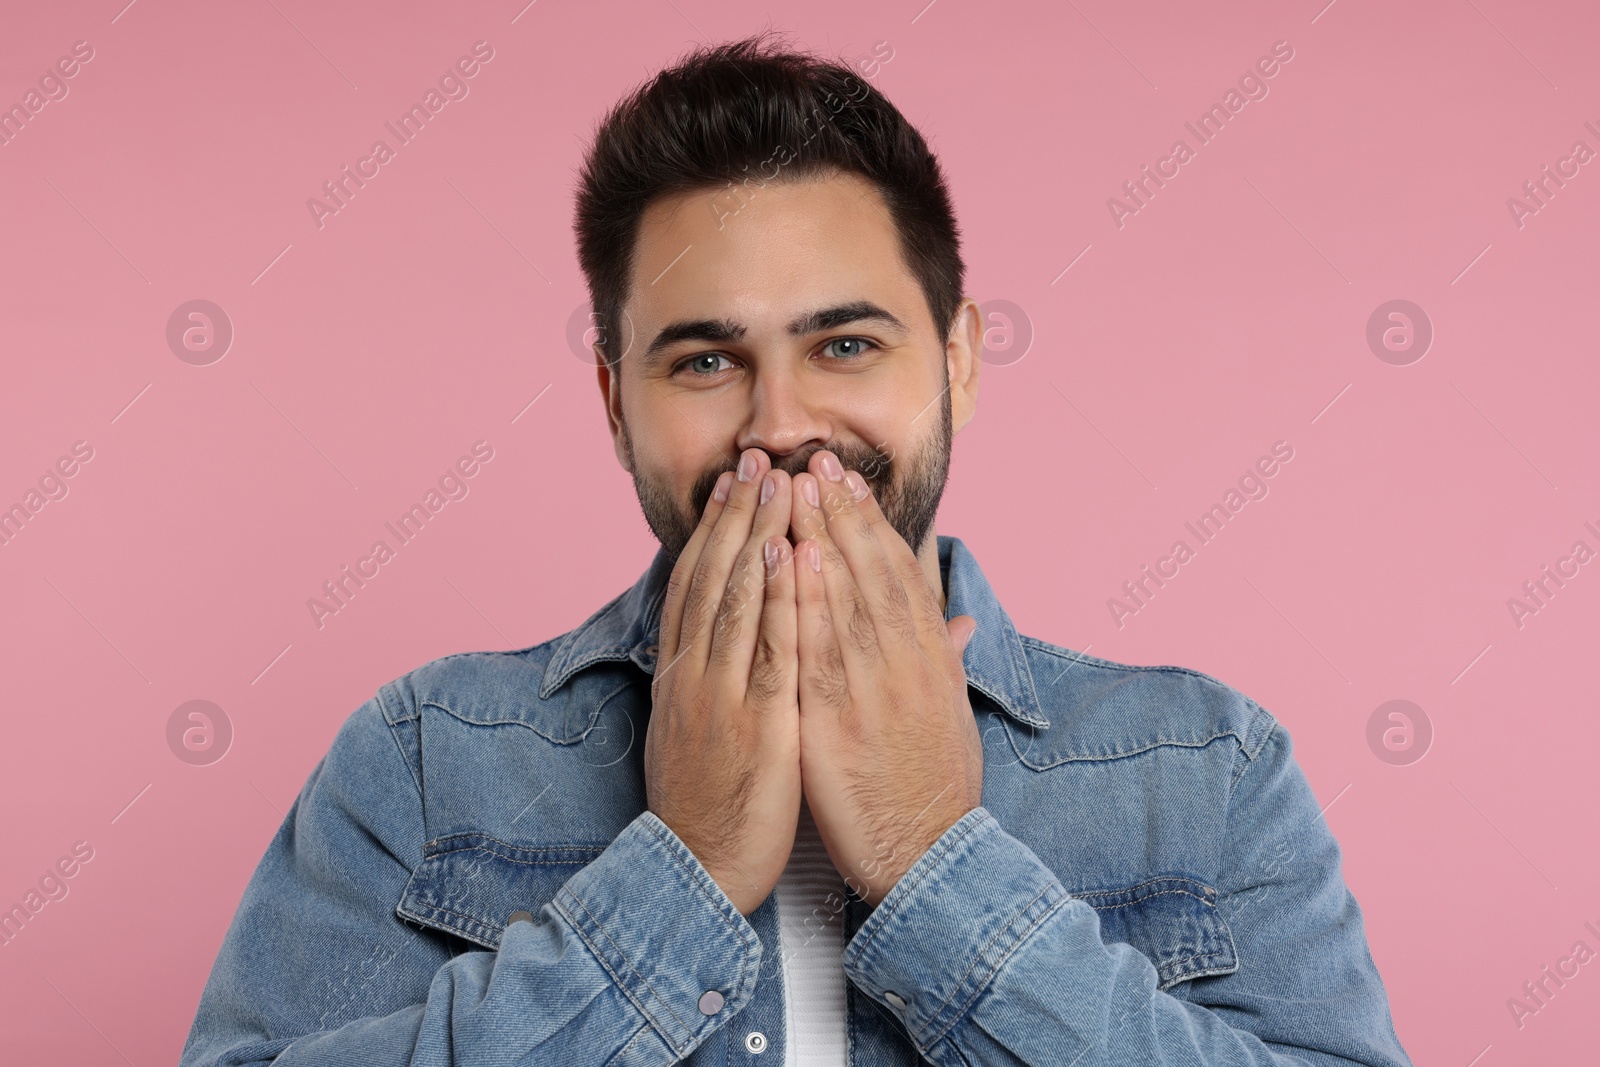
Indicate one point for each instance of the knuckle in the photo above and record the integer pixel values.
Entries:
(811, 524)
(829, 679)
(724, 631)
(860, 627)
(739, 501)
(730, 616)
(852, 728)
(897, 609)
(693, 611)
(766, 674)
(700, 704)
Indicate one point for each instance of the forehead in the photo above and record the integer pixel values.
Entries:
(761, 252)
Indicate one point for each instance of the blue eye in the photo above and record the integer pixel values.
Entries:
(860, 343)
(698, 360)
(704, 365)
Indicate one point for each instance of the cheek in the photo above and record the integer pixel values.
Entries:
(674, 458)
(884, 414)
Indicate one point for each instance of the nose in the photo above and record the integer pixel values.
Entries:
(784, 417)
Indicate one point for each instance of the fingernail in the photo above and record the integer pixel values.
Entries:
(720, 493)
(769, 485)
(808, 489)
(858, 485)
(747, 466)
(830, 467)
(814, 554)
(770, 551)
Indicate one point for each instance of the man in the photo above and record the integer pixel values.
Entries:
(802, 794)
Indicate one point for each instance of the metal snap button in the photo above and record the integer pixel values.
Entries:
(895, 999)
(519, 917)
(755, 1041)
(710, 1002)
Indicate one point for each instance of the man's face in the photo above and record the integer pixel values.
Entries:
(722, 358)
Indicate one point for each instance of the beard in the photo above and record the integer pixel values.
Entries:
(908, 489)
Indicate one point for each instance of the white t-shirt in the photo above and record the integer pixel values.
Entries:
(811, 899)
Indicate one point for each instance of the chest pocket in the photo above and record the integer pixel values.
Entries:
(469, 884)
(1173, 921)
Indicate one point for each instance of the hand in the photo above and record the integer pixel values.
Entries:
(890, 756)
(722, 751)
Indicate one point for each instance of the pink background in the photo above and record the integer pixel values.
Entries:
(1229, 313)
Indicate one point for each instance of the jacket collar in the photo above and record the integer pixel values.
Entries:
(995, 662)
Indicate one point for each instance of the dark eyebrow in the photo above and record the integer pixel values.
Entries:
(722, 331)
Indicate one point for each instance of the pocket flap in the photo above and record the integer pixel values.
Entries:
(469, 884)
(1174, 921)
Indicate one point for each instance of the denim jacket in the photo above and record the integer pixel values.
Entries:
(470, 877)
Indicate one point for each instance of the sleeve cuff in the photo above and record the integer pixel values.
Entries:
(664, 930)
(936, 941)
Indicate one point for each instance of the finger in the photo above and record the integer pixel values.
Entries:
(929, 631)
(874, 571)
(775, 664)
(961, 629)
(740, 617)
(678, 584)
(925, 605)
(823, 686)
(851, 615)
(707, 604)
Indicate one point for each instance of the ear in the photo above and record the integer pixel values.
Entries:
(962, 359)
(611, 393)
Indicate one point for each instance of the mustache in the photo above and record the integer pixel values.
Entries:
(872, 464)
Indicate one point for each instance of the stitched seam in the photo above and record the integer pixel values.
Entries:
(399, 704)
(998, 964)
(624, 956)
(642, 979)
(666, 845)
(440, 909)
(1271, 729)
(1060, 653)
(632, 1041)
(912, 887)
(1263, 733)
(1003, 701)
(1164, 668)
(616, 979)
(610, 652)
(1150, 747)
(1196, 956)
(596, 849)
(1204, 972)
(1141, 885)
(1149, 896)
(483, 652)
(552, 862)
(404, 759)
(978, 956)
(438, 702)
(716, 904)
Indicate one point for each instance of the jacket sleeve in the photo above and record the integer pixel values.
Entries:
(988, 960)
(317, 970)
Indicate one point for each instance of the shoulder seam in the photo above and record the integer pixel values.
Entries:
(1258, 731)
(390, 725)
(1132, 668)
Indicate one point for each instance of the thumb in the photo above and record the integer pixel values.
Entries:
(961, 628)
